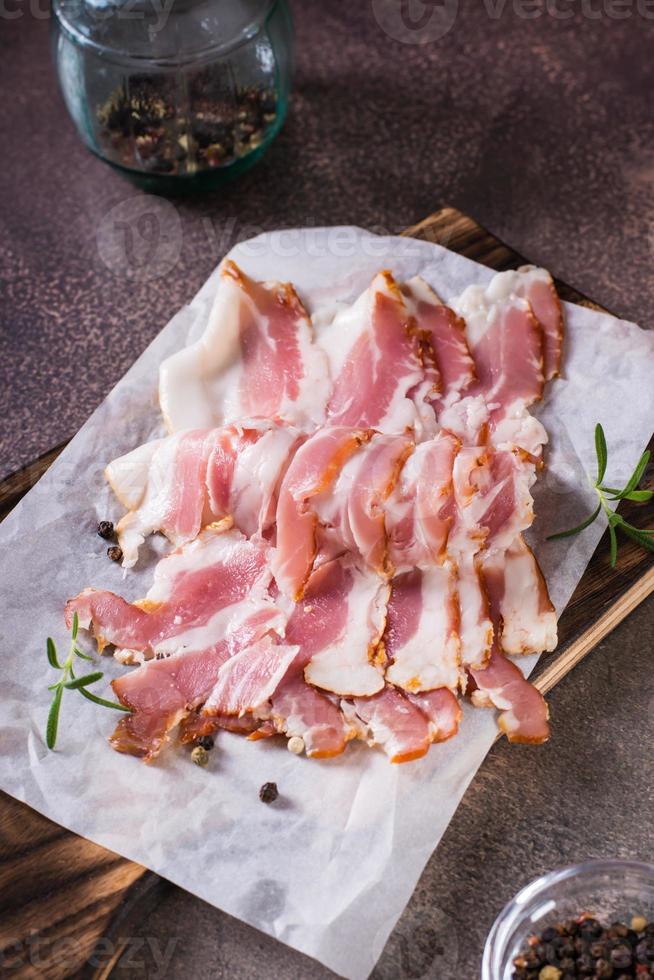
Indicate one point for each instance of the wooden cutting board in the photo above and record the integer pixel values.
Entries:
(60, 894)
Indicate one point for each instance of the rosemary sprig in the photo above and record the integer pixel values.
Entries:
(69, 682)
(645, 538)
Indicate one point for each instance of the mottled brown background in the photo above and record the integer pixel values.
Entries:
(543, 130)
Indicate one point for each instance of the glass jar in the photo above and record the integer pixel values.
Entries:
(611, 891)
(176, 94)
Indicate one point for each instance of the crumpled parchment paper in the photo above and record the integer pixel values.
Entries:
(329, 868)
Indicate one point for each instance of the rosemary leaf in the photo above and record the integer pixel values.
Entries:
(644, 540)
(602, 452)
(75, 626)
(79, 682)
(53, 719)
(105, 704)
(580, 527)
(52, 653)
(637, 474)
(614, 545)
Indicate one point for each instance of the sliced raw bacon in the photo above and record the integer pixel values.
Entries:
(163, 482)
(255, 357)
(442, 710)
(190, 602)
(245, 470)
(421, 639)
(375, 361)
(420, 511)
(445, 346)
(523, 710)
(392, 721)
(352, 513)
(250, 678)
(519, 600)
(343, 657)
(161, 693)
(506, 342)
(312, 471)
(299, 709)
(178, 484)
(537, 287)
(475, 625)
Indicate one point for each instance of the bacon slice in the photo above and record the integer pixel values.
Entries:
(312, 471)
(519, 600)
(523, 710)
(442, 710)
(250, 678)
(352, 512)
(506, 342)
(161, 693)
(445, 346)
(164, 482)
(537, 287)
(392, 721)
(245, 470)
(344, 659)
(256, 357)
(374, 360)
(298, 709)
(421, 638)
(189, 603)
(420, 511)
(178, 484)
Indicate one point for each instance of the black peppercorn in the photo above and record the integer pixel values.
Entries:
(115, 553)
(268, 793)
(205, 741)
(621, 957)
(106, 530)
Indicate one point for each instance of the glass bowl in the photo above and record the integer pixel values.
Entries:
(610, 891)
(176, 94)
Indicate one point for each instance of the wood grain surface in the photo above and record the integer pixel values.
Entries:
(66, 904)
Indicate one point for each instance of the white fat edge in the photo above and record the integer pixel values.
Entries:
(128, 475)
(222, 625)
(337, 336)
(465, 417)
(430, 658)
(135, 526)
(308, 410)
(284, 655)
(417, 290)
(256, 475)
(344, 667)
(193, 382)
(518, 429)
(480, 305)
(525, 629)
(475, 627)
(209, 548)
(357, 725)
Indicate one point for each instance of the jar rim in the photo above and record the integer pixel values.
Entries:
(514, 910)
(249, 30)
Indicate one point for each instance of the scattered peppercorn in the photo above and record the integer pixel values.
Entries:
(295, 745)
(268, 793)
(586, 948)
(106, 530)
(205, 742)
(115, 553)
(200, 756)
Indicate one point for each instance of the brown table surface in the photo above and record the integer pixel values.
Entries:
(540, 128)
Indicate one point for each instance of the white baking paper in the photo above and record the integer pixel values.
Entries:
(329, 868)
